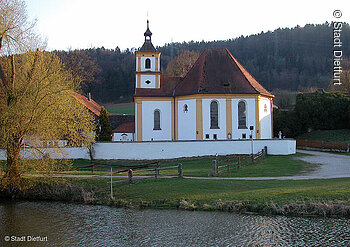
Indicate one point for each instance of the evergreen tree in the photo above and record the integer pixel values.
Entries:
(103, 131)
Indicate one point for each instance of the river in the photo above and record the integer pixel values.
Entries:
(65, 224)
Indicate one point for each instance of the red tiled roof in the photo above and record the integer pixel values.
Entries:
(90, 104)
(167, 85)
(125, 128)
(216, 71)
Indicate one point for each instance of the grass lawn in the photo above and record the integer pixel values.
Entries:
(341, 135)
(124, 108)
(272, 165)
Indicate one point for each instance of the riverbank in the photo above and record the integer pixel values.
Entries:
(315, 197)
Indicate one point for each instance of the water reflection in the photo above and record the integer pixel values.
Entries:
(83, 225)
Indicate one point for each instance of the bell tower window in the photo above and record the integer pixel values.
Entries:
(148, 63)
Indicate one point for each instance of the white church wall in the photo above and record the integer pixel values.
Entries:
(250, 110)
(148, 108)
(187, 120)
(144, 78)
(221, 132)
(265, 118)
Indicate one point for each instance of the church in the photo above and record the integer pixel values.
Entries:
(216, 100)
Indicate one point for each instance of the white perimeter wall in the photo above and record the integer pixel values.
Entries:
(187, 121)
(148, 108)
(170, 150)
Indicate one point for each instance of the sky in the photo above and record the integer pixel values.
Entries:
(80, 24)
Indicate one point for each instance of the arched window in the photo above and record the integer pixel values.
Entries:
(156, 120)
(214, 118)
(242, 115)
(148, 63)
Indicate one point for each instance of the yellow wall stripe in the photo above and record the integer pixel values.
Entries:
(199, 120)
(139, 121)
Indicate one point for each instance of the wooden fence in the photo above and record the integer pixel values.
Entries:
(240, 161)
(157, 173)
(120, 168)
(323, 145)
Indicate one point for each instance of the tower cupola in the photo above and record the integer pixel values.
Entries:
(147, 64)
(148, 33)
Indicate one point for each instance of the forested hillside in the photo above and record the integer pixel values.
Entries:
(293, 59)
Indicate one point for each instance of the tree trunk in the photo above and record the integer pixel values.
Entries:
(12, 179)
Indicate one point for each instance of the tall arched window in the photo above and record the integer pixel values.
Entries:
(148, 63)
(156, 120)
(242, 115)
(214, 118)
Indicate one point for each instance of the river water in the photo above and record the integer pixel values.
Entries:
(64, 224)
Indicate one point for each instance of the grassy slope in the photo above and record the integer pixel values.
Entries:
(326, 135)
(171, 191)
(125, 108)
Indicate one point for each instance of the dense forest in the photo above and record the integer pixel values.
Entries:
(289, 58)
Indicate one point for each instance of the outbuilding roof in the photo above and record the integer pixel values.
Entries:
(125, 128)
(89, 103)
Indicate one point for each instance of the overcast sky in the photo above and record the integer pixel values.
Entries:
(72, 24)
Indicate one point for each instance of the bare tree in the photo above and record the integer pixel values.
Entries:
(182, 63)
(17, 33)
(36, 101)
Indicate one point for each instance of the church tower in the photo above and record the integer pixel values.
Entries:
(147, 64)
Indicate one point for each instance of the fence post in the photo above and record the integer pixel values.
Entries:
(322, 147)
(348, 147)
(111, 183)
(92, 168)
(306, 143)
(130, 176)
(265, 150)
(252, 156)
(180, 170)
(215, 168)
(157, 172)
(239, 162)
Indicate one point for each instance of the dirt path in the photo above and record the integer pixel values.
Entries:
(332, 165)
